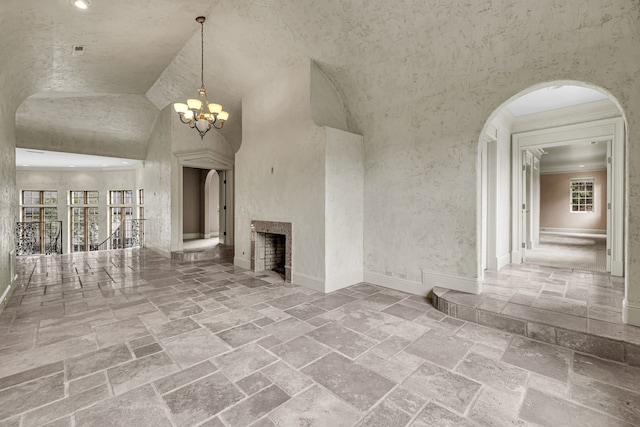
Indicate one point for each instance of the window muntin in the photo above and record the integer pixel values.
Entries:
(581, 195)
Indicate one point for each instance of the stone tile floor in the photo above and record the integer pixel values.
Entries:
(131, 338)
(578, 309)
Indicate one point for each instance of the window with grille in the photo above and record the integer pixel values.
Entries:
(582, 195)
(120, 218)
(41, 206)
(84, 221)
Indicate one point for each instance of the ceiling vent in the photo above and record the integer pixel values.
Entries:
(78, 50)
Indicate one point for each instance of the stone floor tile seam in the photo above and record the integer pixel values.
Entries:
(23, 414)
(617, 386)
(592, 408)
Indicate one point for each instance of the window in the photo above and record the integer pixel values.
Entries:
(84, 221)
(141, 204)
(41, 206)
(120, 216)
(121, 197)
(582, 195)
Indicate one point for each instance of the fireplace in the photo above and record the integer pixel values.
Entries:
(271, 245)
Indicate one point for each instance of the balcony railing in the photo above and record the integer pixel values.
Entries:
(128, 234)
(38, 238)
(34, 238)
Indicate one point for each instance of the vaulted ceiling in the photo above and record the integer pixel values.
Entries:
(140, 56)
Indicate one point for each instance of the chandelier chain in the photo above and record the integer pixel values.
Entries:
(202, 53)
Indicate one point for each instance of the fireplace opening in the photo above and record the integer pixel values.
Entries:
(274, 252)
(271, 247)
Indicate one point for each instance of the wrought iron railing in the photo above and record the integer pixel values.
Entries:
(128, 234)
(38, 238)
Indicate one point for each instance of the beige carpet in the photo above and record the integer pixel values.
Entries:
(573, 251)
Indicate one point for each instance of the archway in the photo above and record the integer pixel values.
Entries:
(510, 149)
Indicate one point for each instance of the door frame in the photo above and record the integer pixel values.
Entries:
(582, 133)
(201, 159)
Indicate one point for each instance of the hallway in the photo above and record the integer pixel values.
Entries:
(570, 251)
(131, 338)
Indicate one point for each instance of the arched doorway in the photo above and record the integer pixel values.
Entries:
(512, 147)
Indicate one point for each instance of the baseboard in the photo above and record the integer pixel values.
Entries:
(630, 313)
(573, 230)
(242, 262)
(403, 285)
(516, 257)
(617, 268)
(457, 283)
(502, 261)
(4, 298)
(338, 282)
(191, 236)
(162, 252)
(315, 283)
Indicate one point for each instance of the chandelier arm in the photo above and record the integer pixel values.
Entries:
(218, 127)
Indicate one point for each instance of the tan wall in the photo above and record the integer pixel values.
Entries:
(555, 202)
(191, 201)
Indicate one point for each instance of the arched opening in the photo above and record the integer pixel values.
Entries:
(551, 177)
(201, 205)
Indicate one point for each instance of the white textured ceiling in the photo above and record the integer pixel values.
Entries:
(28, 158)
(566, 158)
(377, 54)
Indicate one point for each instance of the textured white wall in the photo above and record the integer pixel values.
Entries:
(156, 180)
(279, 172)
(344, 205)
(8, 197)
(310, 176)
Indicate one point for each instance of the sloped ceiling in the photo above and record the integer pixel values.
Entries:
(378, 54)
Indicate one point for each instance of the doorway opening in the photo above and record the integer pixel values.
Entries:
(551, 203)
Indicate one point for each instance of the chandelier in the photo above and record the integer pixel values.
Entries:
(197, 112)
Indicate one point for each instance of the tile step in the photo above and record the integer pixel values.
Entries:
(612, 341)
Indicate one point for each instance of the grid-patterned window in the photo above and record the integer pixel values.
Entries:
(120, 216)
(121, 197)
(41, 206)
(84, 221)
(140, 203)
(582, 195)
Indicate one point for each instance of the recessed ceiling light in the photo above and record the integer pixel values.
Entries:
(104, 166)
(71, 166)
(593, 142)
(125, 163)
(80, 4)
(580, 166)
(26, 166)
